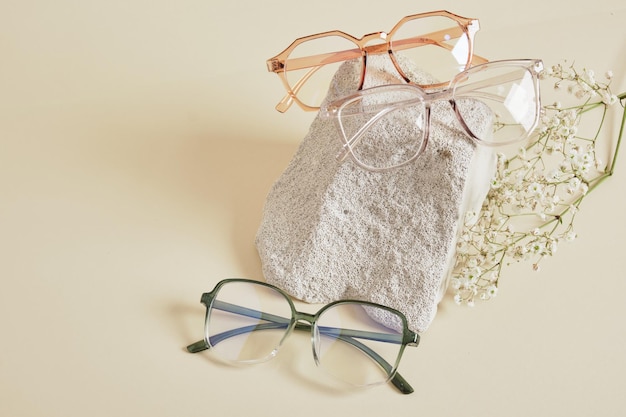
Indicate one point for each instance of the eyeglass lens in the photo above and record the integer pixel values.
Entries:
(508, 93)
(247, 323)
(381, 135)
(348, 343)
(311, 66)
(437, 44)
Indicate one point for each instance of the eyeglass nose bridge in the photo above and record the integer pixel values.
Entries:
(306, 321)
(371, 44)
(300, 317)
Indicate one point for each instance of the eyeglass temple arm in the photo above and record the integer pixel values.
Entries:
(436, 38)
(397, 380)
(352, 141)
(501, 79)
(283, 321)
(470, 87)
(317, 61)
(287, 101)
(382, 109)
(278, 322)
(332, 110)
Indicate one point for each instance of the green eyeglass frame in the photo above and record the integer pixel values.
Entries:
(306, 322)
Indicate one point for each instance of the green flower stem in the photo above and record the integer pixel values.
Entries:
(594, 183)
(597, 181)
(621, 98)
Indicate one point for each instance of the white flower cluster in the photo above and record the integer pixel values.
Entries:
(536, 192)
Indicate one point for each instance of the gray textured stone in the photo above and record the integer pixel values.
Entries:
(331, 230)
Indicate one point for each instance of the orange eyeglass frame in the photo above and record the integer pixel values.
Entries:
(278, 64)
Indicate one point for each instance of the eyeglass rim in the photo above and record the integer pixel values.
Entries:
(533, 66)
(409, 337)
(277, 65)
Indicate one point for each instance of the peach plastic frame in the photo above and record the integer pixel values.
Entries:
(467, 26)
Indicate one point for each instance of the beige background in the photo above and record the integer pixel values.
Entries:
(138, 140)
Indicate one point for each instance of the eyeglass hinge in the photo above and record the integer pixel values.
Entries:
(415, 341)
(474, 26)
(274, 65)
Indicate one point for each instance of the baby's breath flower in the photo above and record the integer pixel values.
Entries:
(537, 248)
(496, 183)
(554, 175)
(608, 98)
(458, 299)
(584, 189)
(492, 290)
(535, 189)
(570, 236)
(536, 192)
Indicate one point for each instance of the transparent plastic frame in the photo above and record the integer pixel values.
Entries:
(278, 64)
(307, 322)
(342, 108)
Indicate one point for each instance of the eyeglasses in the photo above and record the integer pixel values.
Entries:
(358, 342)
(388, 126)
(440, 42)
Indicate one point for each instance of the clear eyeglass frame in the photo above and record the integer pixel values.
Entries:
(263, 321)
(375, 43)
(513, 72)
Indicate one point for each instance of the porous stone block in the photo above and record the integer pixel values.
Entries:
(331, 230)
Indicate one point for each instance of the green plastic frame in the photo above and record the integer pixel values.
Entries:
(306, 322)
